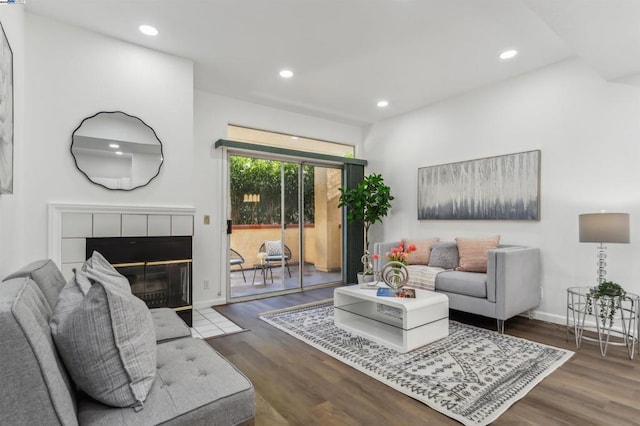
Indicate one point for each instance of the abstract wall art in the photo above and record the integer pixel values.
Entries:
(505, 187)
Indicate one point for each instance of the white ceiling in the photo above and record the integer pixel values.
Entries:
(348, 54)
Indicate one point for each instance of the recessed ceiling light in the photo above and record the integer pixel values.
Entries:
(508, 54)
(114, 145)
(118, 152)
(286, 73)
(148, 30)
(294, 137)
(383, 104)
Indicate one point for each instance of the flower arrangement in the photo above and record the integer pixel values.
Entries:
(262, 256)
(399, 253)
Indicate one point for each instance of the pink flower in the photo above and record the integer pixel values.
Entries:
(400, 253)
(376, 256)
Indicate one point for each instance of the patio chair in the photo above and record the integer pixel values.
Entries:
(275, 253)
(236, 259)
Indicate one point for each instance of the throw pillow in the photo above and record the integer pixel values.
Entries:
(423, 251)
(99, 269)
(70, 298)
(444, 255)
(274, 248)
(108, 345)
(473, 252)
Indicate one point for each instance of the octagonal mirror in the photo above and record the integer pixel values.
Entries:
(116, 150)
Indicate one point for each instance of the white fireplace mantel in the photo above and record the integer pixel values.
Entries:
(71, 224)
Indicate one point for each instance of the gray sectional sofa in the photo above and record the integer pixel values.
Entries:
(193, 383)
(510, 286)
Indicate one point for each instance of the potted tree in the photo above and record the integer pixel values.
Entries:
(367, 203)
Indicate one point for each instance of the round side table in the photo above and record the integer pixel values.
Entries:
(608, 320)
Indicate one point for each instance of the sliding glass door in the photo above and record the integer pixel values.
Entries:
(285, 231)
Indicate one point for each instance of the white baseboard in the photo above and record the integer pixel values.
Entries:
(209, 303)
(562, 320)
(552, 318)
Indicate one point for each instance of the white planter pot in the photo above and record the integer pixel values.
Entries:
(365, 278)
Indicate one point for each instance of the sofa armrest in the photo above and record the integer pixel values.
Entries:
(513, 280)
(381, 249)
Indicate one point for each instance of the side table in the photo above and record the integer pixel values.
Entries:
(612, 320)
(264, 268)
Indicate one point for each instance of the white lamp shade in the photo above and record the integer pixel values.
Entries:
(604, 227)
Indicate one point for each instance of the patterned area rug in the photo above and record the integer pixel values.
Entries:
(473, 376)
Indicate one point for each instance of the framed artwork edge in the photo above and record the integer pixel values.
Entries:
(6, 127)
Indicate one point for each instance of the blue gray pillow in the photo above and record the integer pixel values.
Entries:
(444, 255)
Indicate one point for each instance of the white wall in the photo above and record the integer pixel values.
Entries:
(11, 220)
(588, 131)
(70, 74)
(212, 115)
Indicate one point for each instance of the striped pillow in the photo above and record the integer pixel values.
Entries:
(423, 251)
(473, 253)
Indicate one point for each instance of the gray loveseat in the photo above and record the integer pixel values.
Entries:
(510, 286)
(193, 384)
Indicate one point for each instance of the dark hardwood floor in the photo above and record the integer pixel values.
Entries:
(299, 385)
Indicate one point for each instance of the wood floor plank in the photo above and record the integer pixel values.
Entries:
(299, 385)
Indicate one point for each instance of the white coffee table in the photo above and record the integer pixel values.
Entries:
(400, 323)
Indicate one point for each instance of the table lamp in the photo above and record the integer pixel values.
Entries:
(604, 228)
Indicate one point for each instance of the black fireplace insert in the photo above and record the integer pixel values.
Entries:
(158, 268)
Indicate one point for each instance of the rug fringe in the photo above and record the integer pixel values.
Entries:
(297, 307)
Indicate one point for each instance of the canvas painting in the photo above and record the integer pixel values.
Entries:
(6, 115)
(505, 187)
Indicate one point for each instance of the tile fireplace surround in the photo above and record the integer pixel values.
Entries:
(71, 224)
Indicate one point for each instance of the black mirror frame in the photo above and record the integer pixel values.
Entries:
(75, 160)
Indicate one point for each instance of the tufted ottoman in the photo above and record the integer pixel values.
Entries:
(194, 385)
(168, 325)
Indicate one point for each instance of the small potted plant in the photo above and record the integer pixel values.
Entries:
(367, 203)
(609, 296)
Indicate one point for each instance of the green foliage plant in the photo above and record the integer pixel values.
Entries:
(367, 203)
(610, 296)
(264, 177)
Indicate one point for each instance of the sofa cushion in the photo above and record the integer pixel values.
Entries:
(35, 387)
(444, 254)
(108, 344)
(473, 252)
(46, 275)
(472, 284)
(168, 325)
(194, 385)
(422, 252)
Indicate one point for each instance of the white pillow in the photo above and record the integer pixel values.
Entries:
(274, 248)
